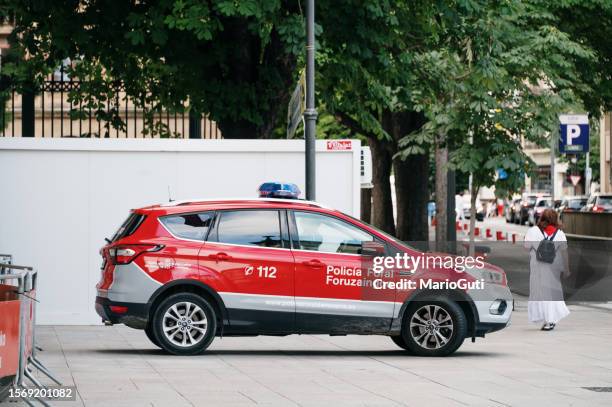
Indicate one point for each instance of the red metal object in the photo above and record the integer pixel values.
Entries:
(500, 235)
(476, 231)
(9, 331)
(488, 233)
(514, 238)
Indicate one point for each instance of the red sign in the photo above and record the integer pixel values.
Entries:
(575, 179)
(339, 145)
(9, 332)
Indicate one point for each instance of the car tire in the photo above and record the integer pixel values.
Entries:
(184, 324)
(151, 335)
(424, 337)
(399, 341)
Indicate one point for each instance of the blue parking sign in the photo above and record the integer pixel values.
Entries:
(574, 134)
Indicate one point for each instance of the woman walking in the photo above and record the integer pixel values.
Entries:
(547, 247)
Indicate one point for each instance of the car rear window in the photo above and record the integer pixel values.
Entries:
(250, 228)
(193, 226)
(576, 203)
(129, 226)
(605, 200)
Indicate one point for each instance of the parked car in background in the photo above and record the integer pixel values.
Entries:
(480, 210)
(599, 203)
(512, 208)
(572, 203)
(527, 203)
(539, 207)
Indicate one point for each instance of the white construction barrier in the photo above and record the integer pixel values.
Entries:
(64, 196)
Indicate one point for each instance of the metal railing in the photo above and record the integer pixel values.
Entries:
(49, 111)
(25, 281)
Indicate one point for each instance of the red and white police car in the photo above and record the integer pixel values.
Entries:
(186, 272)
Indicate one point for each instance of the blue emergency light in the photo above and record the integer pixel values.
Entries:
(278, 190)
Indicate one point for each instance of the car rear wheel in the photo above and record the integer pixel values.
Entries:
(184, 324)
(399, 341)
(434, 326)
(149, 332)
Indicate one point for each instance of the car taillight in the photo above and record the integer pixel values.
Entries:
(125, 254)
(598, 208)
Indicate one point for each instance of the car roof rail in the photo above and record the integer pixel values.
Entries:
(207, 200)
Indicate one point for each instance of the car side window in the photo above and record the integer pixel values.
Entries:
(250, 228)
(192, 226)
(322, 233)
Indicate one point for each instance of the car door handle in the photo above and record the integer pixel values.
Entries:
(313, 263)
(219, 256)
(406, 273)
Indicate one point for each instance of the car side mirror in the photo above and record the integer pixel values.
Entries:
(372, 249)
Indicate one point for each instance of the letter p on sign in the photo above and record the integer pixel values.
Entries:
(573, 132)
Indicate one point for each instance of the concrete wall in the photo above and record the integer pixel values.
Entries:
(61, 197)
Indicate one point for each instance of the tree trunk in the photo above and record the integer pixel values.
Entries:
(411, 196)
(411, 176)
(473, 195)
(366, 205)
(382, 205)
(441, 198)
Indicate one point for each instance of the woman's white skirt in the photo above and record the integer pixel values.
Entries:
(547, 311)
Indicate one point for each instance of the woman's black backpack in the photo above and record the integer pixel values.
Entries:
(546, 250)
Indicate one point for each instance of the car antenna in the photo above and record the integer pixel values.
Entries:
(169, 195)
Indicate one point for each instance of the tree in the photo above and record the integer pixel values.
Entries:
(589, 23)
(234, 60)
(364, 73)
(502, 75)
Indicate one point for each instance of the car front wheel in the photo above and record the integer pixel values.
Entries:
(399, 341)
(434, 326)
(184, 324)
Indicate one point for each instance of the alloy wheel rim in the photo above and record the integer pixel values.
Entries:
(184, 324)
(431, 327)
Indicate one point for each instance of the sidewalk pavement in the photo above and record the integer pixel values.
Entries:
(519, 366)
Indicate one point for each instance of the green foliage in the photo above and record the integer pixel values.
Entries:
(235, 60)
(500, 76)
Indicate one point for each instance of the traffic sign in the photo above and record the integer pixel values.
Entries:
(575, 179)
(574, 134)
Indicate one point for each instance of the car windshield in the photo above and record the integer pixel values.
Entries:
(382, 232)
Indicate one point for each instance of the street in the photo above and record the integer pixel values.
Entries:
(519, 366)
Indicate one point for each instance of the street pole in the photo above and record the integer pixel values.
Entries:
(587, 175)
(552, 162)
(310, 114)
